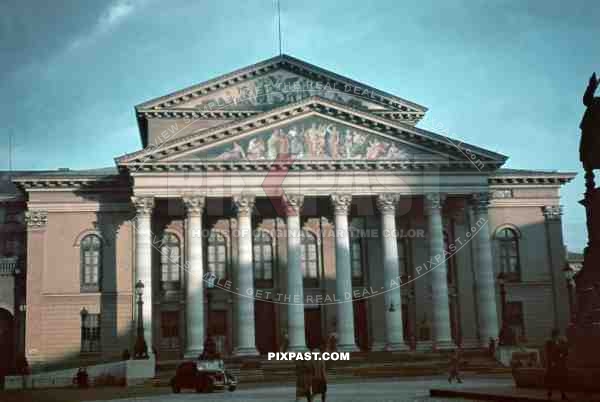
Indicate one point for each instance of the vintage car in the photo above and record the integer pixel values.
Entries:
(202, 376)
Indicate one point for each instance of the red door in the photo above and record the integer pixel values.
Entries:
(361, 328)
(264, 314)
(312, 328)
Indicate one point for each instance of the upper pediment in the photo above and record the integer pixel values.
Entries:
(278, 88)
(277, 81)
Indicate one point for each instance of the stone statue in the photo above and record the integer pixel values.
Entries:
(589, 146)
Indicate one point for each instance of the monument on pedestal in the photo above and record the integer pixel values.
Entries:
(585, 331)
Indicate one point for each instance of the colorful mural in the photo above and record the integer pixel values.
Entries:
(313, 138)
(277, 89)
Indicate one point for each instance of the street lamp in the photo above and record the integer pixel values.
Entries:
(506, 336)
(569, 274)
(140, 350)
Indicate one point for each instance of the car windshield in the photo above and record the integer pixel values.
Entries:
(210, 365)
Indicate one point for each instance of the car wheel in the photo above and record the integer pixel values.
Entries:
(175, 389)
(199, 388)
(231, 388)
(210, 387)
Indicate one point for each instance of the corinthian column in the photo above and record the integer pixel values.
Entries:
(244, 279)
(486, 291)
(194, 289)
(295, 285)
(394, 337)
(343, 273)
(442, 334)
(143, 259)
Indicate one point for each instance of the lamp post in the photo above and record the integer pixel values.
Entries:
(569, 274)
(140, 350)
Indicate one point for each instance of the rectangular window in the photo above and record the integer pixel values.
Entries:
(90, 333)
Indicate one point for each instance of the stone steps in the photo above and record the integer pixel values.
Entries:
(373, 364)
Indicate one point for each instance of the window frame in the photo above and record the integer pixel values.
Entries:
(309, 281)
(508, 248)
(262, 238)
(222, 240)
(91, 339)
(86, 287)
(170, 283)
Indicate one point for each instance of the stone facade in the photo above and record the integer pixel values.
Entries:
(237, 237)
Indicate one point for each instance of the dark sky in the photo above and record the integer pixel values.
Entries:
(505, 75)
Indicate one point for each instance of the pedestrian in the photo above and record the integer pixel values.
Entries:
(303, 380)
(454, 370)
(319, 377)
(492, 347)
(557, 351)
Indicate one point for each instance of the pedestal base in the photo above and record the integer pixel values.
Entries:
(397, 347)
(444, 345)
(347, 348)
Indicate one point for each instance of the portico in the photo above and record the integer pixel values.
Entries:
(289, 293)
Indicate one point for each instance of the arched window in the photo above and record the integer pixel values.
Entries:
(310, 260)
(508, 250)
(217, 257)
(263, 259)
(91, 263)
(170, 259)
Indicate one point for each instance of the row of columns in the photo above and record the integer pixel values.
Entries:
(244, 284)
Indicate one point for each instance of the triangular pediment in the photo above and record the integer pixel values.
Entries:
(313, 129)
(276, 82)
(314, 137)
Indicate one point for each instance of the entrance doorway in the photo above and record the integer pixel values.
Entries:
(264, 313)
(361, 325)
(217, 329)
(312, 328)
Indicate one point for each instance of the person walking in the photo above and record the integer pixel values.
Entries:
(319, 377)
(557, 351)
(454, 370)
(303, 380)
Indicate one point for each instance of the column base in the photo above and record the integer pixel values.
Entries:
(192, 353)
(245, 352)
(347, 348)
(444, 345)
(378, 347)
(297, 349)
(397, 347)
(424, 346)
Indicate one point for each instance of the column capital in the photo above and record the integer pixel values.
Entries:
(244, 203)
(143, 205)
(293, 204)
(386, 203)
(552, 212)
(480, 201)
(194, 204)
(341, 203)
(36, 219)
(434, 200)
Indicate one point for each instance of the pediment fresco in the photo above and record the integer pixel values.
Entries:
(314, 138)
(279, 88)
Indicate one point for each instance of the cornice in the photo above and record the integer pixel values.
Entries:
(304, 165)
(73, 183)
(531, 180)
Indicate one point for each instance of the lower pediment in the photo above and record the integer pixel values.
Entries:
(313, 138)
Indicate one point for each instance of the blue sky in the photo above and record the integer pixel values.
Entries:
(505, 75)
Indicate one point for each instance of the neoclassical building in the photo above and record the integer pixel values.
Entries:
(280, 205)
